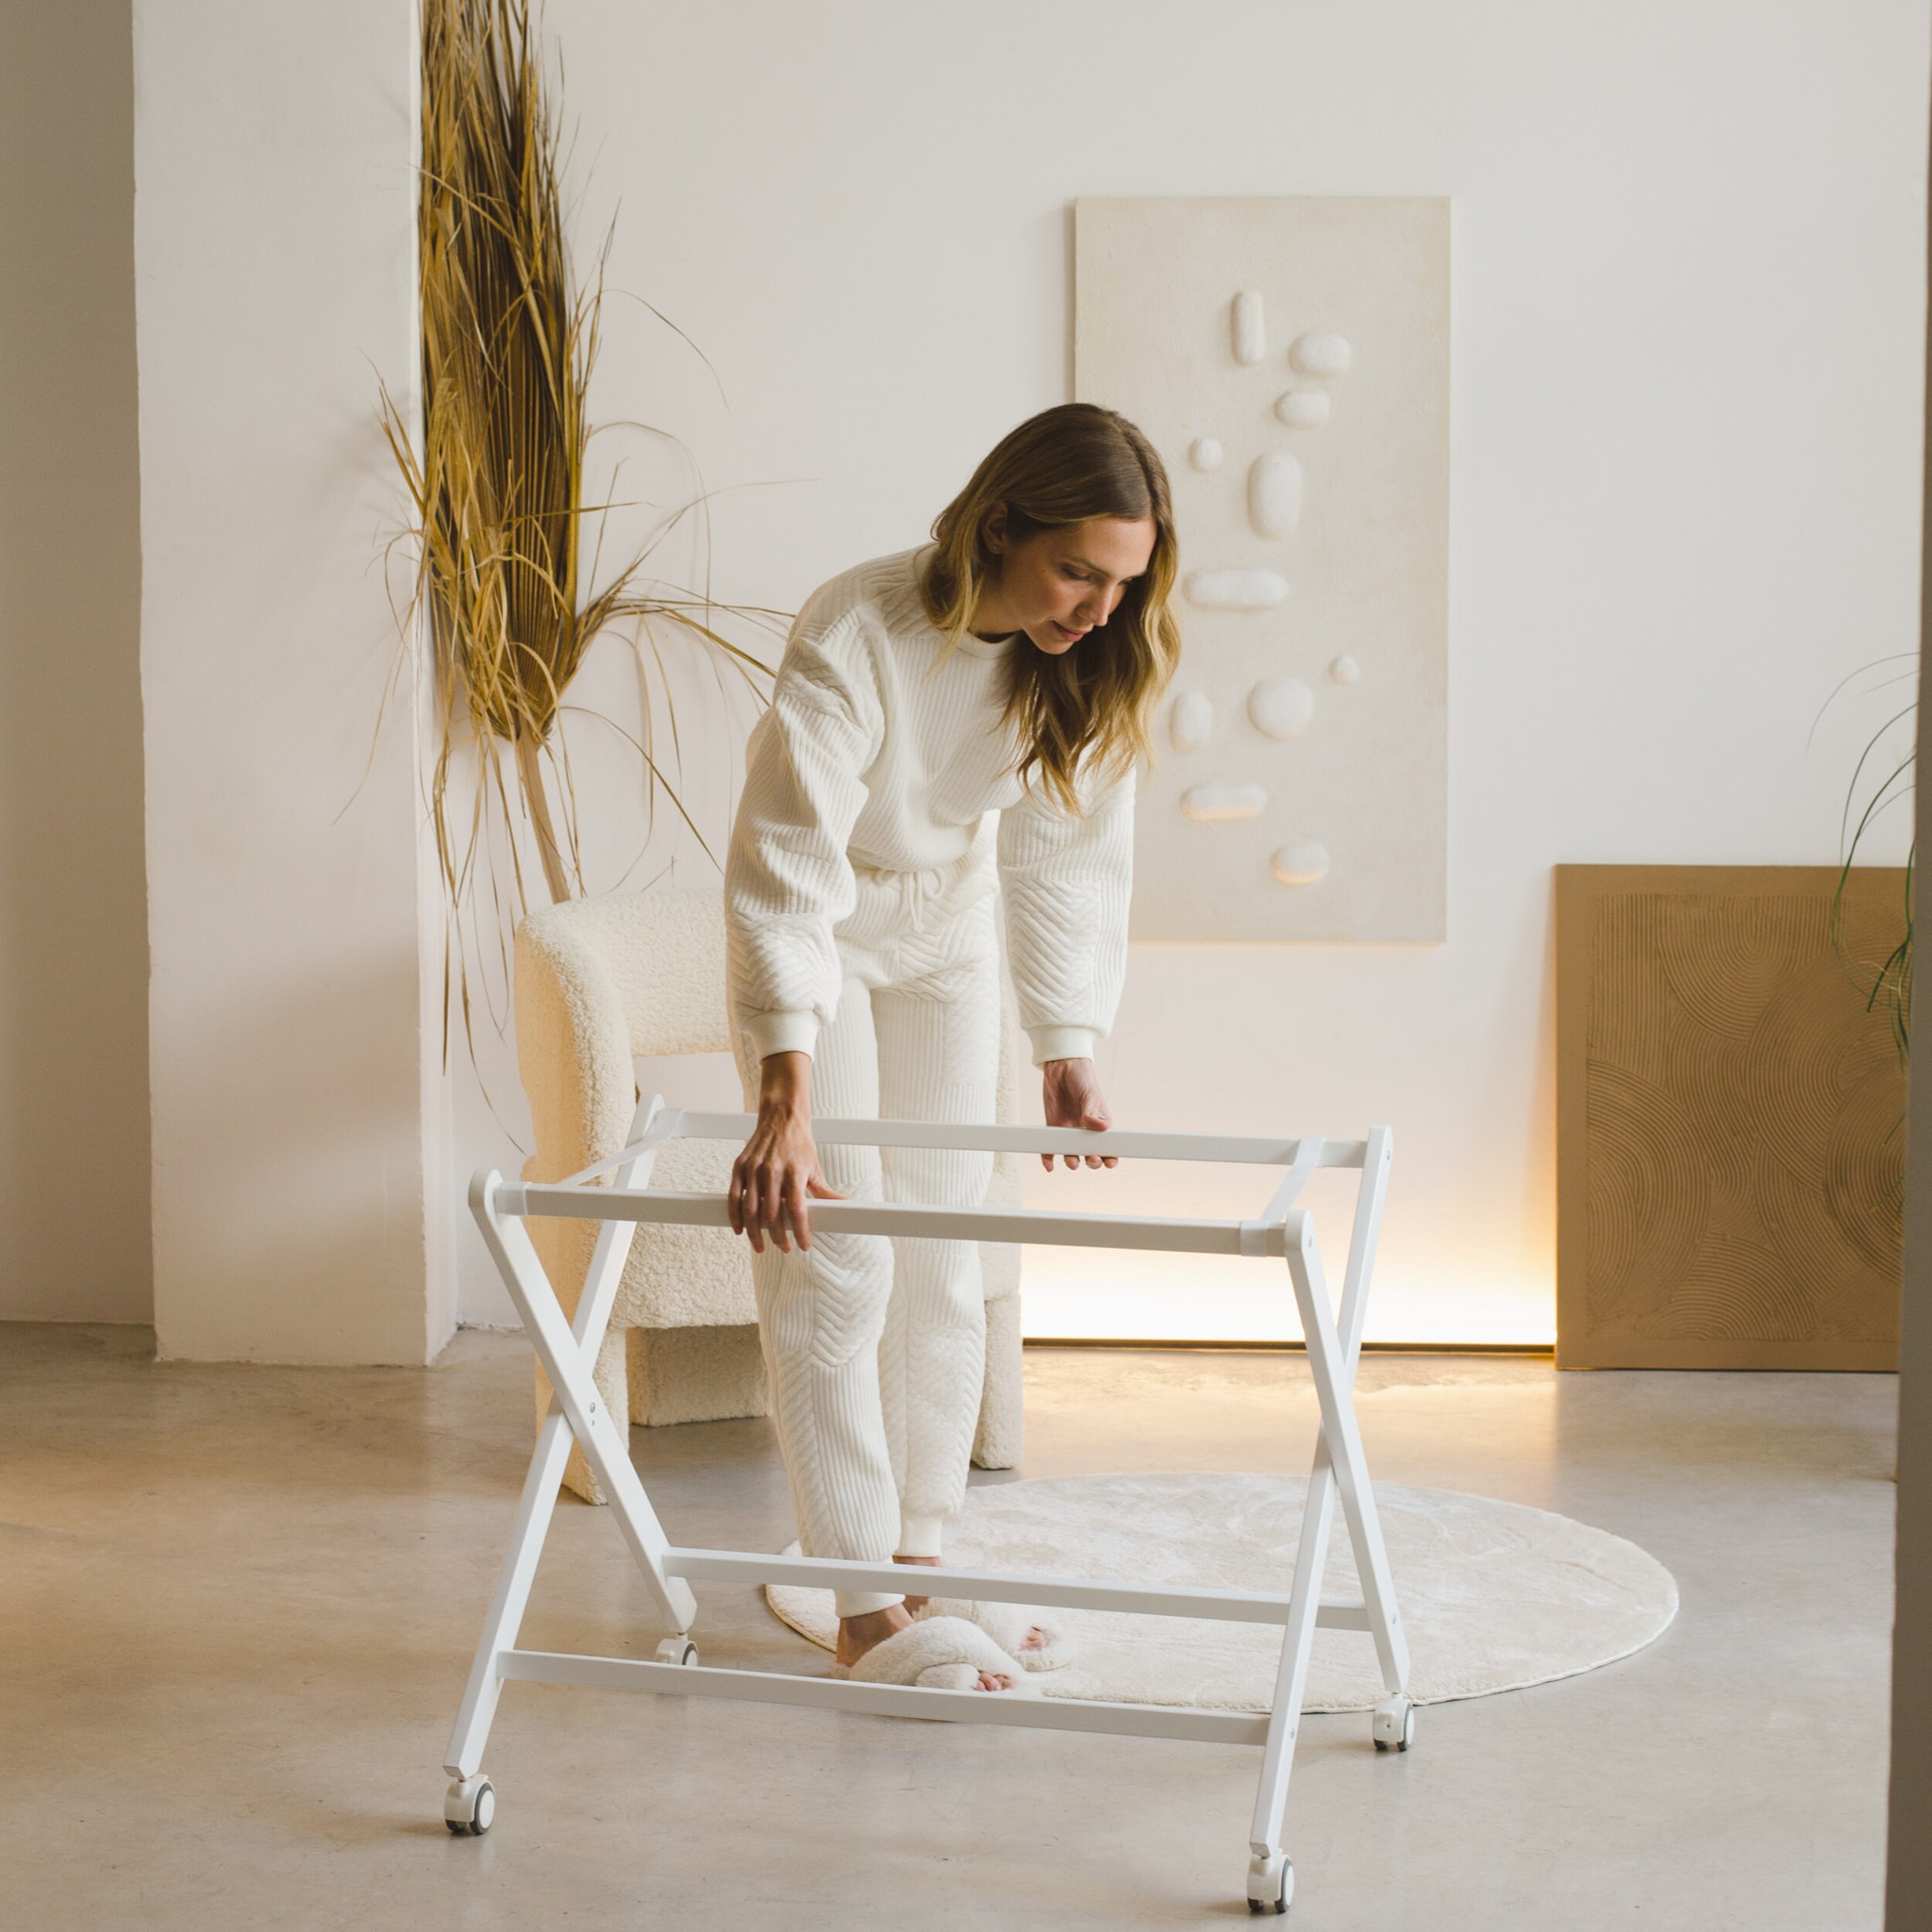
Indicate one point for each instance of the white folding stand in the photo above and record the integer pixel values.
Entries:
(617, 1193)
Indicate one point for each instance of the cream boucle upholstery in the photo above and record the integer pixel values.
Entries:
(599, 981)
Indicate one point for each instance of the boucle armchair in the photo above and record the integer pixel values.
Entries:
(598, 982)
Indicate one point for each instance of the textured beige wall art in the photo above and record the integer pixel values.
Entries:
(1731, 1120)
(1290, 358)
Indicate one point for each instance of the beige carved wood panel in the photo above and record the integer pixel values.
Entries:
(1731, 1120)
(1288, 355)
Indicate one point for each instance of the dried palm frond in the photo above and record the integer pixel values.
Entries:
(504, 570)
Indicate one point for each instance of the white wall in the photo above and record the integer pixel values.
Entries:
(275, 237)
(72, 909)
(1686, 383)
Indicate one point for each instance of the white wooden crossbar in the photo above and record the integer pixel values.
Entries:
(1163, 1599)
(616, 1193)
(1231, 1149)
(888, 1700)
(901, 1218)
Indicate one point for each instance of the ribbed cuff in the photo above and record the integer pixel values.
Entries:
(919, 1535)
(771, 1033)
(1063, 1043)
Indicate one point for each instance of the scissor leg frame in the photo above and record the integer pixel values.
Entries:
(1334, 1348)
(568, 1349)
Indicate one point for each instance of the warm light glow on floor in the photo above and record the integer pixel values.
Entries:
(1095, 1294)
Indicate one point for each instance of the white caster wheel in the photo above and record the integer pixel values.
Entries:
(1393, 1725)
(469, 1807)
(1271, 1882)
(677, 1650)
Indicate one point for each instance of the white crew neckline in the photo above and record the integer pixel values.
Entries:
(987, 647)
(973, 646)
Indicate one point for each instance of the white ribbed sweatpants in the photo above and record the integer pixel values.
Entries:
(875, 1348)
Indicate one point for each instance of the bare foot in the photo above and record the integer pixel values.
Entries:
(916, 1604)
(1035, 1639)
(858, 1635)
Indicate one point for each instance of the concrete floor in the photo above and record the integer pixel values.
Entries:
(238, 1604)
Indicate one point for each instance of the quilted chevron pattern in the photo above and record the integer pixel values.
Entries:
(875, 1348)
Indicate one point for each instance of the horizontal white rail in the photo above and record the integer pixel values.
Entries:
(885, 1700)
(567, 1201)
(986, 1137)
(839, 1131)
(992, 1586)
(1253, 1150)
(832, 1572)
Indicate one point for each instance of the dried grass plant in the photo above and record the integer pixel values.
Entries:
(1883, 780)
(506, 589)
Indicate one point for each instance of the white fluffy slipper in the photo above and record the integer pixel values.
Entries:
(1008, 1626)
(941, 1654)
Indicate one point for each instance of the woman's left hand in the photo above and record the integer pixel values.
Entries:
(1072, 1100)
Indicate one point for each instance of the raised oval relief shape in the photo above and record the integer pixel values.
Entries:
(1300, 863)
(1274, 495)
(1303, 409)
(1344, 670)
(1210, 803)
(1190, 721)
(1281, 706)
(1247, 328)
(1319, 355)
(1235, 589)
(1205, 453)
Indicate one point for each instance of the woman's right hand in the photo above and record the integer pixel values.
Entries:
(776, 1174)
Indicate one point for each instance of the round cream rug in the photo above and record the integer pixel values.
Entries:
(1494, 1595)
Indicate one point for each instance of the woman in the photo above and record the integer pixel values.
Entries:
(1007, 667)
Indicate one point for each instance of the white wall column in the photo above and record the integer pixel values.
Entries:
(299, 1180)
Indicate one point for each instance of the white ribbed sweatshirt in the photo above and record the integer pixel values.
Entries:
(884, 750)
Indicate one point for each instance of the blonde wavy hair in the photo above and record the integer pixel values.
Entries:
(1085, 711)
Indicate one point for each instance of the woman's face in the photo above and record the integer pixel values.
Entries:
(1060, 584)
